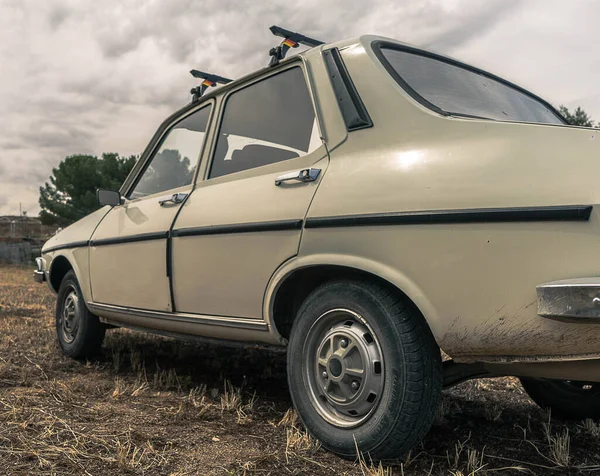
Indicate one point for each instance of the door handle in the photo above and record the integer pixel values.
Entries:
(174, 199)
(304, 175)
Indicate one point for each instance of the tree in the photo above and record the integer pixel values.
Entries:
(71, 192)
(578, 118)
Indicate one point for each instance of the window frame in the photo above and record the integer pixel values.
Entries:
(378, 45)
(293, 62)
(167, 127)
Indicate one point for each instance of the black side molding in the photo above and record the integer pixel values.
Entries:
(475, 215)
(66, 246)
(160, 235)
(240, 228)
(353, 110)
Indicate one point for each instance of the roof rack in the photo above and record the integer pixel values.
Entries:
(208, 80)
(290, 40)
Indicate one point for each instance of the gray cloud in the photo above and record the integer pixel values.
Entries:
(87, 77)
(477, 23)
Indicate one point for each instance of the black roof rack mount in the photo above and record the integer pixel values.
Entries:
(290, 40)
(208, 80)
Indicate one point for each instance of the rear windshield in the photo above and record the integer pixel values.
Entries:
(460, 90)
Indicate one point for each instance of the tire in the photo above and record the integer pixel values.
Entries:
(80, 333)
(570, 400)
(393, 405)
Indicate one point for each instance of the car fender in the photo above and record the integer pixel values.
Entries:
(379, 269)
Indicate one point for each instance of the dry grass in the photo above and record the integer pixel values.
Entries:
(152, 405)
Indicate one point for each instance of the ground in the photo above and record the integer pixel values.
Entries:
(154, 405)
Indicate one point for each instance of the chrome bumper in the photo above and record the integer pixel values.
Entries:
(38, 275)
(574, 300)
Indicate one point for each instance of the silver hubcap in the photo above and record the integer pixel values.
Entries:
(343, 367)
(69, 324)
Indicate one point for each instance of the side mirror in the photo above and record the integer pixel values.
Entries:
(109, 197)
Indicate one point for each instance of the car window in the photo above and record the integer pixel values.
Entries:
(175, 161)
(267, 122)
(459, 90)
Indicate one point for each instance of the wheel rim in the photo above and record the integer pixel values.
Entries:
(343, 367)
(70, 316)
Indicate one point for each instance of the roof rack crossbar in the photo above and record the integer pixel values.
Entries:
(290, 40)
(208, 80)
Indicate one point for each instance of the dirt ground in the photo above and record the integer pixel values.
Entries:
(157, 406)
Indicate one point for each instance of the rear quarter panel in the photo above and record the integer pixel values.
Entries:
(475, 283)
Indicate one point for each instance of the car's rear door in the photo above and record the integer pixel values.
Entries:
(240, 224)
(128, 254)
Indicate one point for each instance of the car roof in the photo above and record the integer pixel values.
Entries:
(365, 41)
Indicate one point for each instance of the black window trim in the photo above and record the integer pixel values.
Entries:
(293, 62)
(157, 140)
(351, 106)
(378, 45)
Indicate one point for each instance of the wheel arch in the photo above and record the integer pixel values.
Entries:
(292, 283)
(63, 262)
(59, 267)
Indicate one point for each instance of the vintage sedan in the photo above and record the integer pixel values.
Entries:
(367, 204)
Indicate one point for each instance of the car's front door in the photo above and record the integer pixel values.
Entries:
(128, 254)
(241, 224)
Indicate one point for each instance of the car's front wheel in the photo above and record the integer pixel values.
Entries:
(80, 333)
(569, 399)
(364, 370)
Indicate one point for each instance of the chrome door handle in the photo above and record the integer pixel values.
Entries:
(174, 199)
(304, 175)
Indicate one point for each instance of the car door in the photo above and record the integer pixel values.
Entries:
(245, 219)
(128, 250)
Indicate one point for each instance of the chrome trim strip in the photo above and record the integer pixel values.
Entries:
(239, 344)
(474, 215)
(240, 323)
(574, 300)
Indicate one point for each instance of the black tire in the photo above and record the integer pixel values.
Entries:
(566, 399)
(80, 333)
(410, 371)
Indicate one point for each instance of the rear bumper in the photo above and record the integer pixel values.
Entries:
(572, 300)
(38, 275)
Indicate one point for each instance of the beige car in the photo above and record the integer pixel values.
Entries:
(365, 203)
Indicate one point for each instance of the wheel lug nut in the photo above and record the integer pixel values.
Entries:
(344, 343)
(324, 374)
(355, 385)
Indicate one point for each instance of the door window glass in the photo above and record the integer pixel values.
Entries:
(175, 161)
(267, 122)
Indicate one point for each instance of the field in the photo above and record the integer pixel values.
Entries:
(154, 405)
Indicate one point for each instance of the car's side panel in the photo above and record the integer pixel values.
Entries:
(78, 259)
(72, 243)
(134, 273)
(224, 265)
(480, 278)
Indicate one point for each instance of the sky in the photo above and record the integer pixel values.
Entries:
(82, 76)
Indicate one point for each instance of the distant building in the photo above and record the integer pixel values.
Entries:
(14, 226)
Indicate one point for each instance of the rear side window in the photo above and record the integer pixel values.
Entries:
(267, 122)
(457, 89)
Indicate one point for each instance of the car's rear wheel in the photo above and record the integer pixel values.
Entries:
(80, 333)
(569, 399)
(364, 370)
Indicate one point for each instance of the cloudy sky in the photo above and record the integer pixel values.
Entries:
(99, 76)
